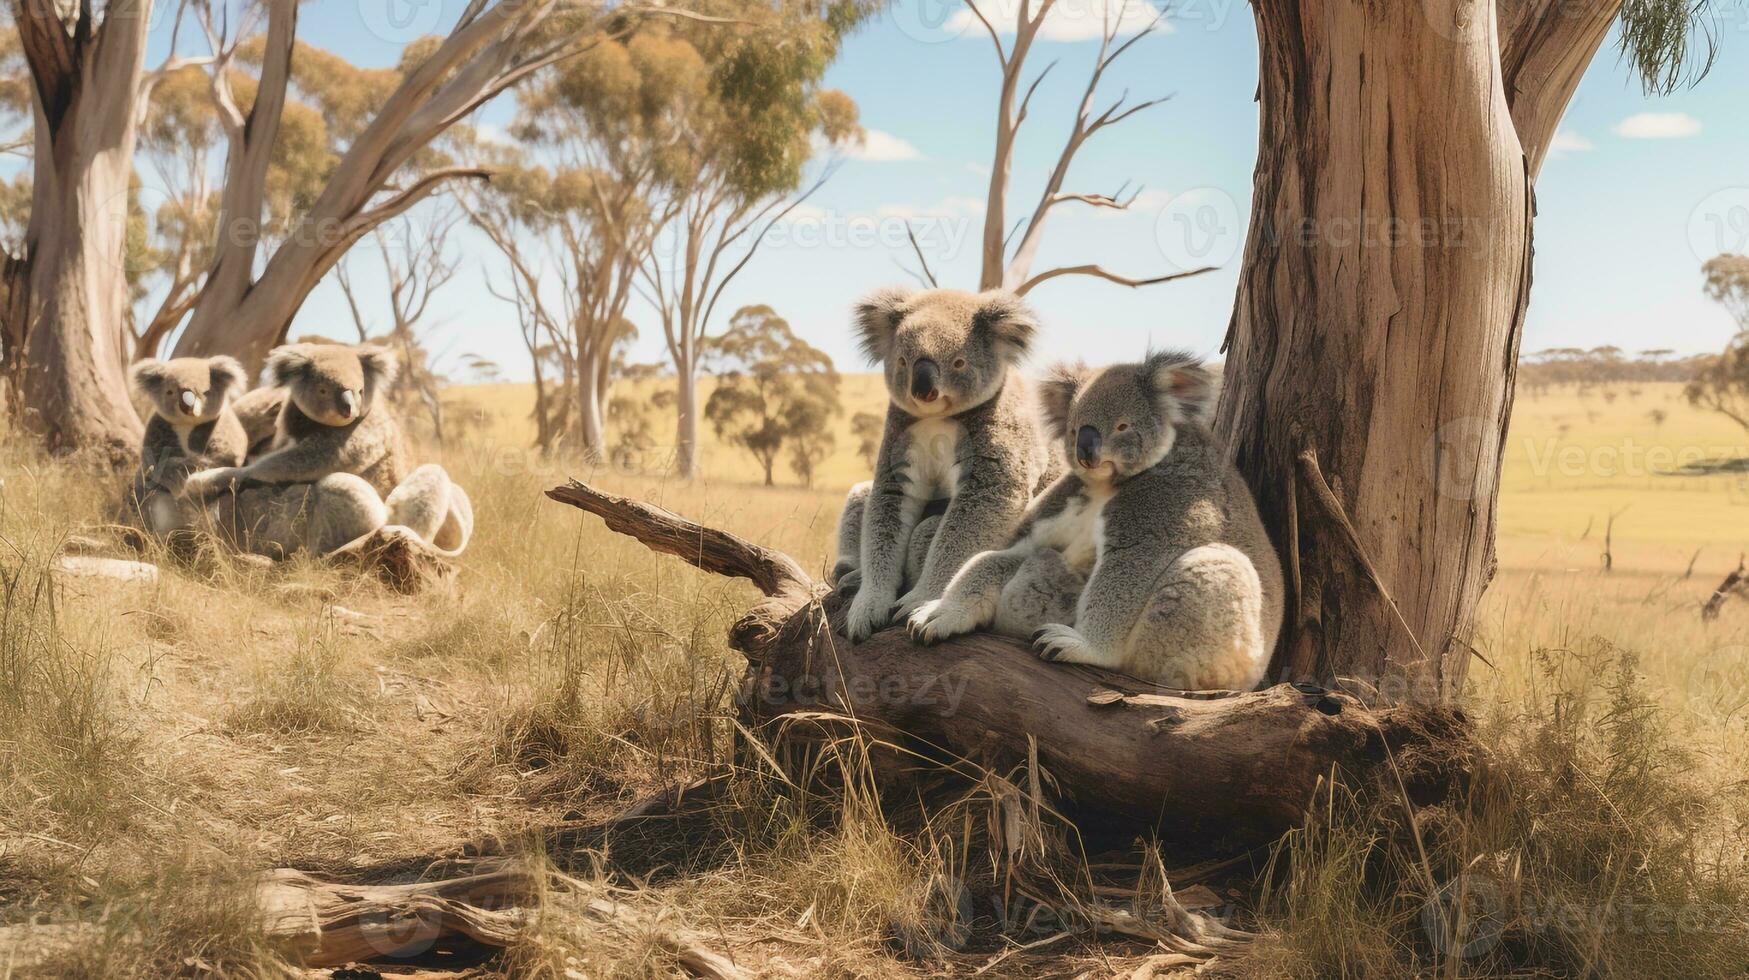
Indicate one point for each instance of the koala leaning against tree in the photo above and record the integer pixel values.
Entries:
(327, 420)
(961, 439)
(1185, 589)
(337, 468)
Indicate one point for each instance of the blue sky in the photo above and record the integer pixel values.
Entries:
(1637, 191)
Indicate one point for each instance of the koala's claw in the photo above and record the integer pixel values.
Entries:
(847, 585)
(935, 621)
(1059, 644)
(866, 618)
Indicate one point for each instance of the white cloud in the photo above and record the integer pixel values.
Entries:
(880, 146)
(494, 134)
(980, 169)
(1658, 126)
(1069, 20)
(1566, 141)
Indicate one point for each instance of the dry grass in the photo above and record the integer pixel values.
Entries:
(160, 743)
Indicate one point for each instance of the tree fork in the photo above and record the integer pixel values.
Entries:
(1212, 771)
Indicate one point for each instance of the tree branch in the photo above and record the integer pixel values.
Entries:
(1100, 273)
(928, 276)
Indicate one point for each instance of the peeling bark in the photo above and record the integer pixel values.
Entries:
(67, 303)
(1378, 316)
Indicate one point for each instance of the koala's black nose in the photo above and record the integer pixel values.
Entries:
(1087, 446)
(925, 380)
(349, 404)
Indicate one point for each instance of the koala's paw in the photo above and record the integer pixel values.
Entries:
(1063, 644)
(206, 483)
(847, 584)
(869, 614)
(907, 604)
(939, 620)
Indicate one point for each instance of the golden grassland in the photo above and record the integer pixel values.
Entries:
(161, 743)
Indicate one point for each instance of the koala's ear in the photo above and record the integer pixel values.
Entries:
(1186, 388)
(286, 364)
(876, 318)
(381, 366)
(1056, 392)
(1007, 319)
(148, 375)
(224, 375)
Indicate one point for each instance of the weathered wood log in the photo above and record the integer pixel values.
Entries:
(1217, 770)
(326, 924)
(1736, 583)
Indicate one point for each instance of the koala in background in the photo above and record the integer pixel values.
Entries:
(326, 423)
(193, 427)
(959, 428)
(1186, 589)
(316, 518)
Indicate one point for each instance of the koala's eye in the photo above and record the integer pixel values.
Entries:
(1123, 427)
(901, 360)
(959, 364)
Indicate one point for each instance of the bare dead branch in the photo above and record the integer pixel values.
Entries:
(927, 275)
(1102, 273)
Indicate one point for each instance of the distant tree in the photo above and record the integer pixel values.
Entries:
(1722, 384)
(1009, 247)
(416, 263)
(773, 390)
(1727, 282)
(634, 432)
(749, 116)
(867, 428)
(1658, 417)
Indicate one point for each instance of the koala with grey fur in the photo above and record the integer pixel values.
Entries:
(1185, 588)
(959, 429)
(193, 427)
(327, 422)
(319, 517)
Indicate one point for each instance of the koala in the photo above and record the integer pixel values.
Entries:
(326, 423)
(1185, 588)
(317, 518)
(193, 427)
(258, 410)
(1035, 581)
(959, 429)
(280, 520)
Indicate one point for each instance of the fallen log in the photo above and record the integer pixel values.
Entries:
(330, 924)
(1216, 771)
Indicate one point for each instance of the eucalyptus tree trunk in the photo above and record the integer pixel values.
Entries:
(67, 295)
(1376, 328)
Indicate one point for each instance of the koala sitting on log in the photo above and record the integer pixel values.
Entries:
(1186, 589)
(326, 423)
(960, 429)
(193, 427)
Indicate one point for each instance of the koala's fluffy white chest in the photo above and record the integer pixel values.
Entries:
(1077, 529)
(932, 458)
